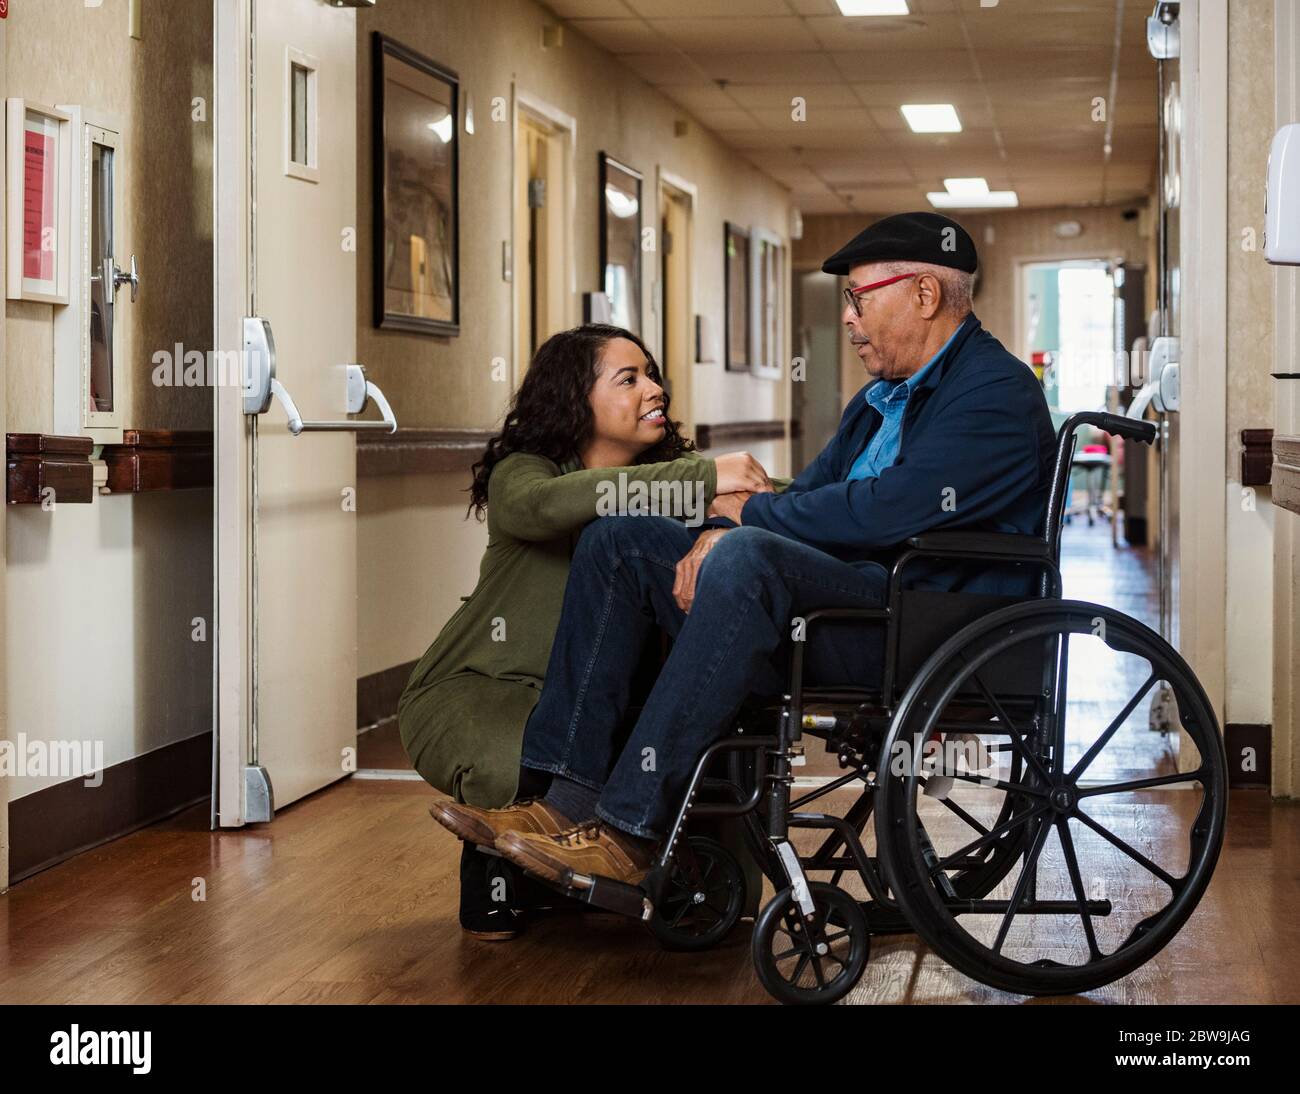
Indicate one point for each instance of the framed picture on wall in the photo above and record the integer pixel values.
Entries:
(620, 241)
(38, 180)
(767, 303)
(736, 290)
(416, 191)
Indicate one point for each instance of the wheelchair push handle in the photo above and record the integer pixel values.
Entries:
(1133, 429)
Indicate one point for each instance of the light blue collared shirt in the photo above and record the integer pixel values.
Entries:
(889, 397)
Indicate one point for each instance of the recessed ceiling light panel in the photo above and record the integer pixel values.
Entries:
(994, 199)
(969, 187)
(931, 117)
(873, 7)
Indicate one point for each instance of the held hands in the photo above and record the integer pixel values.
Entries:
(730, 505)
(740, 471)
(688, 568)
(740, 476)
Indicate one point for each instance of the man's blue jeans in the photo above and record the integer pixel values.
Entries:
(735, 642)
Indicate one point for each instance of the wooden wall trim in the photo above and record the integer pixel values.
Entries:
(377, 694)
(420, 451)
(1256, 457)
(51, 825)
(159, 459)
(716, 434)
(1286, 473)
(1249, 746)
(37, 461)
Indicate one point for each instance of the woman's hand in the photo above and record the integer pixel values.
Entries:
(740, 471)
(688, 568)
(729, 505)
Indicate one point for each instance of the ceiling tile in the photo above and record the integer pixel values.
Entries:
(665, 68)
(778, 96)
(893, 93)
(706, 96)
(1073, 91)
(813, 7)
(873, 66)
(808, 67)
(1023, 76)
(737, 36)
(731, 119)
(589, 9)
(619, 35)
(998, 28)
(739, 10)
(847, 118)
(797, 178)
(835, 32)
(861, 169)
(895, 198)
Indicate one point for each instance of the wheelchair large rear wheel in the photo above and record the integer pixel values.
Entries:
(1117, 843)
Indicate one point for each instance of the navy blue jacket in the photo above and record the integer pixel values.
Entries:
(976, 452)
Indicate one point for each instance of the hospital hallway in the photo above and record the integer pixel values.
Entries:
(1093, 569)
(335, 331)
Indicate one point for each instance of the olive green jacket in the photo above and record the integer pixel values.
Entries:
(536, 509)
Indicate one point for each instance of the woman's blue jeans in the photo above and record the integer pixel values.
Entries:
(751, 590)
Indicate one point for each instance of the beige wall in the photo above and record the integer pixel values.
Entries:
(1250, 516)
(417, 555)
(448, 381)
(100, 604)
(102, 596)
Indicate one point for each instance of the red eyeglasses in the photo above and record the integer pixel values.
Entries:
(852, 294)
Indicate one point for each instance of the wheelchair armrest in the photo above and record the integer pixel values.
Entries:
(1007, 544)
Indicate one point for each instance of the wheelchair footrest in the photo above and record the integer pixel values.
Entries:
(612, 896)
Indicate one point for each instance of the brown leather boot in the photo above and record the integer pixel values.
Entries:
(483, 826)
(589, 848)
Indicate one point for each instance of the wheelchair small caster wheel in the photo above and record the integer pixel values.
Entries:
(820, 961)
(703, 898)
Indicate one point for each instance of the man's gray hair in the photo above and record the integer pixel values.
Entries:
(955, 284)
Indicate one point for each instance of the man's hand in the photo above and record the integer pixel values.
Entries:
(689, 567)
(730, 505)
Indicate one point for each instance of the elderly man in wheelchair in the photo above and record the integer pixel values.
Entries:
(900, 600)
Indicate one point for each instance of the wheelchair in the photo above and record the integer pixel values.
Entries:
(962, 754)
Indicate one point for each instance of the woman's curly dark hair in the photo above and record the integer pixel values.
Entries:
(550, 415)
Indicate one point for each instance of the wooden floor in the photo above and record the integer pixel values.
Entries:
(350, 896)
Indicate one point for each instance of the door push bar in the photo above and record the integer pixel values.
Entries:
(260, 386)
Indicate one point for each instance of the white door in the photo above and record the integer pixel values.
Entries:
(285, 112)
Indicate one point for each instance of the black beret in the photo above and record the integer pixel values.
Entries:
(908, 237)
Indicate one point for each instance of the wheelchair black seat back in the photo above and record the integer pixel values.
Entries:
(1012, 831)
(927, 618)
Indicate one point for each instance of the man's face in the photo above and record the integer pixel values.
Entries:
(890, 331)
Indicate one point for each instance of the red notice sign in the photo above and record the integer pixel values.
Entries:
(38, 204)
